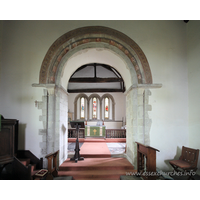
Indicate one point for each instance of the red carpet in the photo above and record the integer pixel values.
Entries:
(96, 168)
(94, 150)
(97, 164)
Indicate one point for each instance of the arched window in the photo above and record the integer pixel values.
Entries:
(82, 107)
(94, 108)
(106, 108)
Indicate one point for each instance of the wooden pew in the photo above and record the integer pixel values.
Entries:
(146, 161)
(52, 170)
(187, 162)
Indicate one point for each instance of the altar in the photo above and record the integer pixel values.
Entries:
(95, 131)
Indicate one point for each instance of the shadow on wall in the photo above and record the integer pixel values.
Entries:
(63, 129)
(64, 142)
(21, 137)
(176, 157)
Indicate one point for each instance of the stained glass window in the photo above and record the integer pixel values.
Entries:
(82, 107)
(94, 109)
(106, 108)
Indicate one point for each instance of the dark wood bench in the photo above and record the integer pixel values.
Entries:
(52, 170)
(146, 161)
(187, 162)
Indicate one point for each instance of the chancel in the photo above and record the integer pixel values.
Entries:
(128, 83)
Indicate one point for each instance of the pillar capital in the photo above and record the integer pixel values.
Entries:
(50, 87)
(143, 86)
(51, 90)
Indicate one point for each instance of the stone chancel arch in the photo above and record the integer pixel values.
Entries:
(56, 70)
(94, 34)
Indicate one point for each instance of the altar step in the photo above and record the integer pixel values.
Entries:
(94, 139)
(96, 168)
(94, 150)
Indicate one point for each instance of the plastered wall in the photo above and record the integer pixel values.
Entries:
(25, 43)
(193, 45)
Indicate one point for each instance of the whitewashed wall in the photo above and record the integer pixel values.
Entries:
(193, 45)
(25, 43)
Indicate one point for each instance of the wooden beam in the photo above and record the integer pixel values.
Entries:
(80, 68)
(112, 70)
(94, 90)
(95, 70)
(95, 80)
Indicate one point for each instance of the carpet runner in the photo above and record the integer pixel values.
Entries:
(94, 150)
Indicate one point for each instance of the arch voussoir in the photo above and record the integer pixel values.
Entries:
(94, 34)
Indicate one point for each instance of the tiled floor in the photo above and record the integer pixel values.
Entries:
(71, 147)
(115, 148)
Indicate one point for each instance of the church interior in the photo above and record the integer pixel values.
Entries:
(123, 92)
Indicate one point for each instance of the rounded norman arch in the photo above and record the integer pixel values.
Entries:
(94, 34)
(138, 122)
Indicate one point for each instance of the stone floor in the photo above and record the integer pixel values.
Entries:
(115, 148)
(71, 147)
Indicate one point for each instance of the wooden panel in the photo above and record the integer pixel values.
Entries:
(6, 144)
(151, 160)
(95, 90)
(150, 154)
(142, 149)
(95, 80)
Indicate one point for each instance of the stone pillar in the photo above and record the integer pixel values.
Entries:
(147, 121)
(61, 123)
(50, 119)
(131, 124)
(47, 105)
(42, 105)
(140, 116)
(138, 122)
